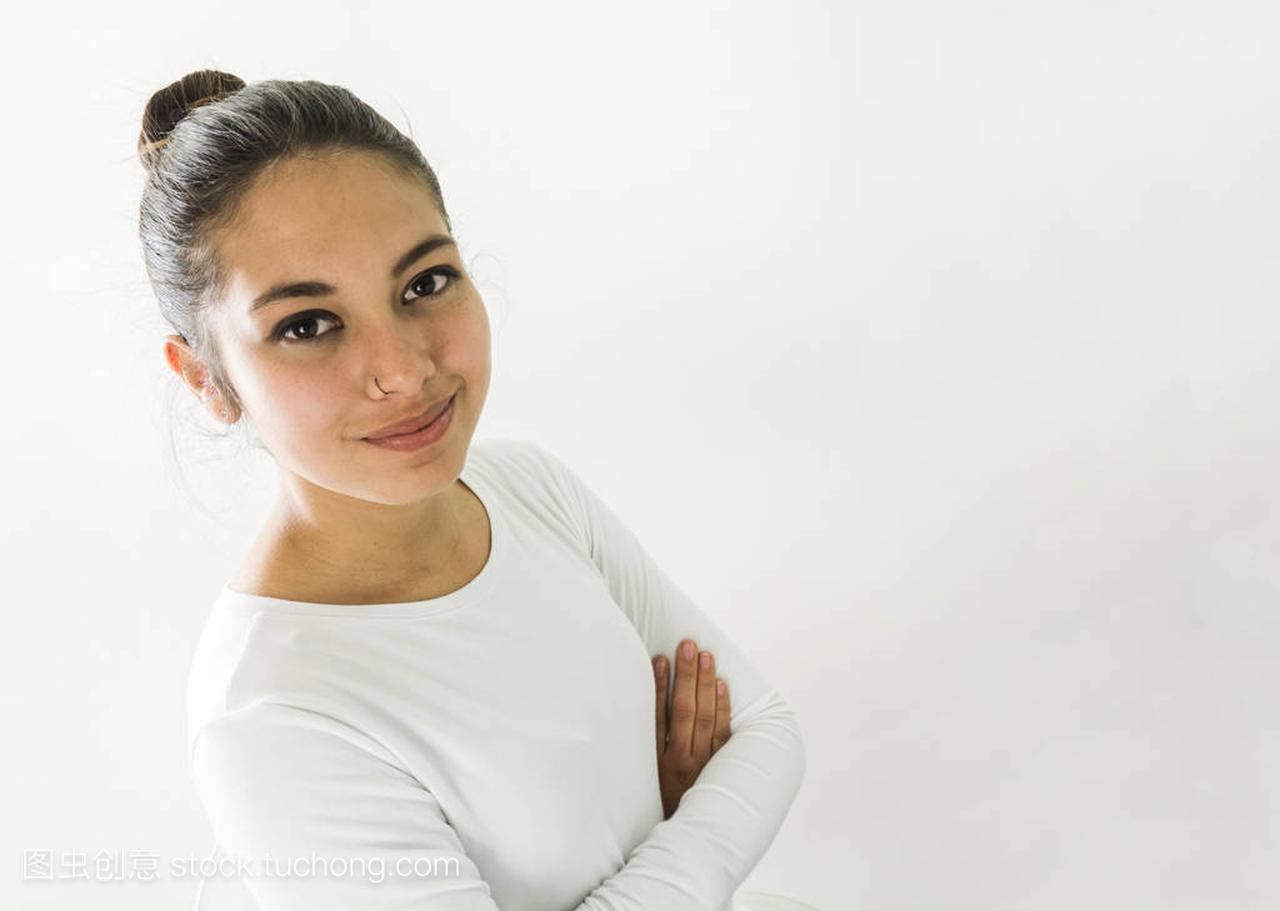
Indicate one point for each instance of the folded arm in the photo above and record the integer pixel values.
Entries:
(324, 820)
(729, 817)
(282, 782)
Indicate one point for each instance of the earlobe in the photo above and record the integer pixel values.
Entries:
(216, 406)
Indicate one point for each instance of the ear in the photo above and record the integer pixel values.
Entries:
(183, 361)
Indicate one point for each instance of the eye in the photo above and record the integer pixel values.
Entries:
(304, 319)
(424, 279)
(431, 274)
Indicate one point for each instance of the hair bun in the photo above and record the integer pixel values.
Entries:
(167, 107)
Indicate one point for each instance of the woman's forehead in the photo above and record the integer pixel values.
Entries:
(305, 196)
(317, 214)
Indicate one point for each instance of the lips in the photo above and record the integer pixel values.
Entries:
(411, 424)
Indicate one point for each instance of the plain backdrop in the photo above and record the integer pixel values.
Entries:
(931, 347)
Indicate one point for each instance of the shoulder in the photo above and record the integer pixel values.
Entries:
(512, 454)
(522, 462)
(533, 477)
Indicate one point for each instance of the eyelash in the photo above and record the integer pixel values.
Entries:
(280, 333)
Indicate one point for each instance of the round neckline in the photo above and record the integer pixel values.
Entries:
(472, 591)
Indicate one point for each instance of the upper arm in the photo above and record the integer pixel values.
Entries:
(324, 822)
(661, 612)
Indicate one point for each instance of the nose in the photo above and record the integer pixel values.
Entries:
(398, 359)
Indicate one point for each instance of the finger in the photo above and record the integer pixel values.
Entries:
(704, 724)
(721, 736)
(684, 700)
(660, 696)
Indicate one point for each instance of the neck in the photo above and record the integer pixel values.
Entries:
(361, 545)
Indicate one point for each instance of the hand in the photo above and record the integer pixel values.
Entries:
(698, 725)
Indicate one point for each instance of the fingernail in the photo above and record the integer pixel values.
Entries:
(720, 687)
(687, 650)
(706, 659)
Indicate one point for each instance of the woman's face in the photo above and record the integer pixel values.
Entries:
(303, 364)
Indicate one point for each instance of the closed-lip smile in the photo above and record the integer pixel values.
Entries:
(416, 421)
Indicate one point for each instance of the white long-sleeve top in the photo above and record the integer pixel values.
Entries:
(492, 748)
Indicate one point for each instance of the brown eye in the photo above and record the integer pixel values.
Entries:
(426, 281)
(300, 329)
(306, 322)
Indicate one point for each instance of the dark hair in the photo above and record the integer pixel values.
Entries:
(204, 140)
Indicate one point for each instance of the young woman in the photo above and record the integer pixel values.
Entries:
(429, 683)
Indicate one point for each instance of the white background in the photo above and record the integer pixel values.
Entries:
(931, 347)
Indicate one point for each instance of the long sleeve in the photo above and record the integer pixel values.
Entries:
(729, 817)
(320, 818)
(489, 749)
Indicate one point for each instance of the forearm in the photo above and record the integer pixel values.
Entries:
(725, 822)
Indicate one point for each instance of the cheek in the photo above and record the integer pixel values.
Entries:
(473, 334)
(302, 403)
(461, 339)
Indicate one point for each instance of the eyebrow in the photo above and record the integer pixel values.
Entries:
(320, 289)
